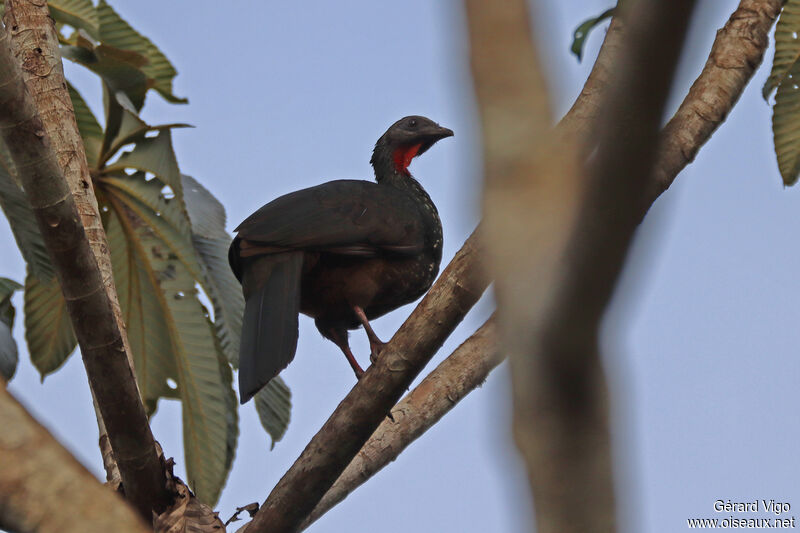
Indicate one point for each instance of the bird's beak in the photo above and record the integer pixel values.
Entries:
(440, 133)
(431, 135)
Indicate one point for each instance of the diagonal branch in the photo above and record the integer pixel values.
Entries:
(44, 489)
(366, 406)
(736, 54)
(737, 44)
(455, 377)
(38, 147)
(587, 105)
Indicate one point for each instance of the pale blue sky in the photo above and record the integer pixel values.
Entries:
(701, 346)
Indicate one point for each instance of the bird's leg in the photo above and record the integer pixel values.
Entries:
(341, 342)
(375, 344)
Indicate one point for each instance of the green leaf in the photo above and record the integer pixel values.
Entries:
(204, 384)
(211, 242)
(140, 301)
(274, 408)
(119, 69)
(48, 330)
(91, 132)
(582, 31)
(132, 129)
(155, 155)
(785, 76)
(787, 47)
(208, 244)
(9, 356)
(23, 224)
(114, 31)
(7, 289)
(80, 14)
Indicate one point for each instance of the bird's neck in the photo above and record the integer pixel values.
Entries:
(391, 168)
(391, 163)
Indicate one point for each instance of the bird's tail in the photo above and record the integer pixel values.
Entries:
(271, 285)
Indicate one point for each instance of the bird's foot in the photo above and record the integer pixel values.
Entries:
(376, 347)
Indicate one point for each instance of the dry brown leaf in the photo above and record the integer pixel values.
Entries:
(188, 515)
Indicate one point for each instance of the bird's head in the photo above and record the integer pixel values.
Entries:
(403, 141)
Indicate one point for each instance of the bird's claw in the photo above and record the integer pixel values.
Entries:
(375, 350)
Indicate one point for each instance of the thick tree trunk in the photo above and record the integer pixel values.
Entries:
(85, 280)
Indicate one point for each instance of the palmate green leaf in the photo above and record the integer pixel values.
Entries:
(133, 131)
(163, 217)
(79, 14)
(23, 224)
(274, 408)
(121, 120)
(203, 254)
(9, 356)
(207, 215)
(211, 242)
(48, 330)
(114, 31)
(582, 31)
(121, 70)
(210, 423)
(205, 211)
(89, 128)
(139, 300)
(7, 288)
(155, 155)
(168, 222)
(785, 76)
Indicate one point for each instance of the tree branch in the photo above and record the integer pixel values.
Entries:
(736, 54)
(587, 105)
(366, 406)
(738, 45)
(44, 489)
(88, 288)
(550, 323)
(455, 377)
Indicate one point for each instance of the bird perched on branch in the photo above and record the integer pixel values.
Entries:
(343, 253)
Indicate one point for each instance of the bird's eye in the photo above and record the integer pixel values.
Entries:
(412, 123)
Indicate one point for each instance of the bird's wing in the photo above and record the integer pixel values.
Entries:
(349, 217)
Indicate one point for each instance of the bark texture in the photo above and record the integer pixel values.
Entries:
(85, 287)
(455, 377)
(43, 489)
(736, 54)
(366, 406)
(587, 105)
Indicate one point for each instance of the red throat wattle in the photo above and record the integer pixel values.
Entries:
(403, 156)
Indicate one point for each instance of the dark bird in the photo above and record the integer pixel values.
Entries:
(343, 253)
